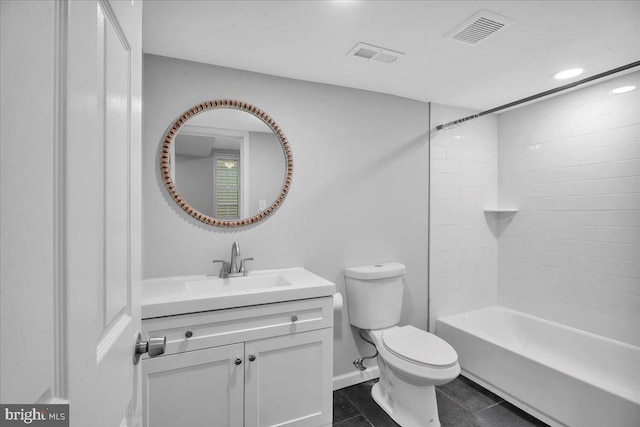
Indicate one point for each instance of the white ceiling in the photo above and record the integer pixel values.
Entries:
(309, 40)
(229, 119)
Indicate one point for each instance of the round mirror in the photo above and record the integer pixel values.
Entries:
(226, 163)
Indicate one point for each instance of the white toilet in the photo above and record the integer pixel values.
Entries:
(411, 361)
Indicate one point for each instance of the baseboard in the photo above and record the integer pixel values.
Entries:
(355, 377)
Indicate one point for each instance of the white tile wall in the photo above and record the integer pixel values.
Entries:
(571, 165)
(463, 267)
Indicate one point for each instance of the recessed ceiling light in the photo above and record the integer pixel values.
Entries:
(567, 74)
(623, 89)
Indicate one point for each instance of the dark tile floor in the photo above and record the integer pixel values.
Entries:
(461, 403)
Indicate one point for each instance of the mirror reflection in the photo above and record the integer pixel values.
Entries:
(227, 164)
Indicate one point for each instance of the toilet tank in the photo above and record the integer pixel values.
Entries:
(374, 295)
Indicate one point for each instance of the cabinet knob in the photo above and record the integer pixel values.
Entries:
(294, 317)
(238, 361)
(188, 334)
(252, 357)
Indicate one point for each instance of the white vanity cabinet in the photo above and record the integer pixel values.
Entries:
(197, 388)
(262, 365)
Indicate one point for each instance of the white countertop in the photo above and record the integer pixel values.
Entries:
(189, 294)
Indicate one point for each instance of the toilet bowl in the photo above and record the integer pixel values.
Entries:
(411, 361)
(416, 355)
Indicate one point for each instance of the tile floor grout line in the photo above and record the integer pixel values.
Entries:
(350, 418)
(358, 408)
(352, 402)
(456, 402)
(437, 389)
(367, 419)
(474, 391)
(489, 407)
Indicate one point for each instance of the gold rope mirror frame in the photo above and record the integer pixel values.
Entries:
(169, 139)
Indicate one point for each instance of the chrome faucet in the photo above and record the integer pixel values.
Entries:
(233, 269)
(235, 254)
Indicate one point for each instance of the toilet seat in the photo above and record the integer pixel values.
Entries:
(409, 370)
(419, 347)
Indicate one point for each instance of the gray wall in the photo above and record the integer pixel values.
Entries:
(359, 191)
(266, 169)
(194, 181)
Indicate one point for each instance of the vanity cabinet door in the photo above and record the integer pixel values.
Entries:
(194, 389)
(288, 380)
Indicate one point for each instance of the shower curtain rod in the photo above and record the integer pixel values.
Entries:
(538, 95)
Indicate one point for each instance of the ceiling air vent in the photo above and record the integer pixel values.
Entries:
(478, 27)
(372, 53)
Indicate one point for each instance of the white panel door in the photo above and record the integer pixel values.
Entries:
(102, 210)
(71, 132)
(288, 380)
(203, 388)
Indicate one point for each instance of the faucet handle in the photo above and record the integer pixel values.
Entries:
(224, 269)
(243, 268)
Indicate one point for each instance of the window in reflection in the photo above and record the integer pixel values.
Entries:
(226, 186)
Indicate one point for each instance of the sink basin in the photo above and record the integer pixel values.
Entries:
(190, 294)
(253, 283)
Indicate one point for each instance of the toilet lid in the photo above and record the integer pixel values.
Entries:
(420, 347)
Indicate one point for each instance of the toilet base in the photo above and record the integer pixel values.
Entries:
(407, 404)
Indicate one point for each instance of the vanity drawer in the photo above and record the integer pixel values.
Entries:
(196, 331)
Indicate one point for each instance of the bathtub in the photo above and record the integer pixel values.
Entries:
(560, 375)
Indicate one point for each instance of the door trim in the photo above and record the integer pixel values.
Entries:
(60, 392)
